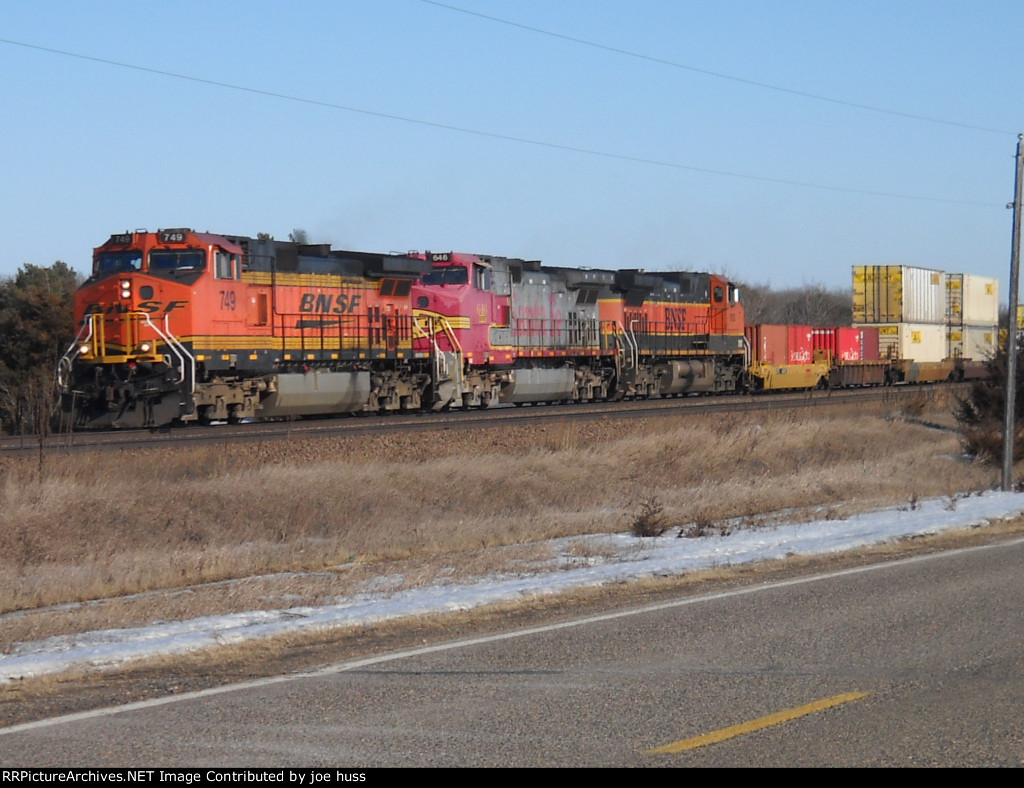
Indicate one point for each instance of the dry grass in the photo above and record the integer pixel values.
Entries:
(97, 526)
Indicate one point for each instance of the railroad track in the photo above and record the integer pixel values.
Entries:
(195, 435)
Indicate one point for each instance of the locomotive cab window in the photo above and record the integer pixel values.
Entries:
(482, 278)
(225, 265)
(452, 275)
(719, 294)
(116, 262)
(176, 260)
(397, 288)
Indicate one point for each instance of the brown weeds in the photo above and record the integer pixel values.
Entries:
(103, 525)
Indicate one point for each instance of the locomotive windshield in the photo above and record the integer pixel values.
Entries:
(112, 262)
(177, 259)
(453, 275)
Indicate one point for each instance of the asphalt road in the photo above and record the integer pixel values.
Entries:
(919, 662)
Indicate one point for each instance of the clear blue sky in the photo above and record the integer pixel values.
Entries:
(403, 124)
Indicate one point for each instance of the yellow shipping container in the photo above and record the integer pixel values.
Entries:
(898, 294)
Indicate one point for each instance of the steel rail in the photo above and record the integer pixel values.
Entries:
(367, 424)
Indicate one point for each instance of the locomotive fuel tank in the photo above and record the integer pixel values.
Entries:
(316, 392)
(537, 385)
(685, 376)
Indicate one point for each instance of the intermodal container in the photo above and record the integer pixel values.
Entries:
(768, 343)
(920, 342)
(801, 345)
(847, 344)
(898, 294)
(972, 300)
(869, 344)
(781, 345)
(974, 342)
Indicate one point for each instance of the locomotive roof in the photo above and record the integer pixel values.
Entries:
(224, 241)
(270, 254)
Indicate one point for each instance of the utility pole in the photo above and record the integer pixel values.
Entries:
(1011, 334)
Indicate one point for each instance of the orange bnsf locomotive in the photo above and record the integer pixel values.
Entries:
(178, 326)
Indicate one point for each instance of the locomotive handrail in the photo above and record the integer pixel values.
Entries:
(369, 332)
(434, 325)
(538, 332)
(175, 346)
(440, 359)
(440, 363)
(64, 365)
(565, 334)
(633, 344)
(90, 330)
(449, 332)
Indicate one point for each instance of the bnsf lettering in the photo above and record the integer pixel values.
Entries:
(675, 317)
(150, 307)
(326, 304)
(113, 309)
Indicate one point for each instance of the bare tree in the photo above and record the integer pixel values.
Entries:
(813, 305)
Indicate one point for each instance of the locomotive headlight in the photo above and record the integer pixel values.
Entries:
(126, 288)
(84, 349)
(145, 347)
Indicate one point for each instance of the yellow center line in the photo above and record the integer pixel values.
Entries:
(758, 724)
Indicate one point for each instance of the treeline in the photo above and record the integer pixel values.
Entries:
(36, 327)
(810, 305)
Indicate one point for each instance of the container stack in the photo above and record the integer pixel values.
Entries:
(972, 307)
(908, 307)
(925, 315)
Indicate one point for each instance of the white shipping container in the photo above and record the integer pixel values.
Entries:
(898, 294)
(920, 342)
(972, 300)
(974, 342)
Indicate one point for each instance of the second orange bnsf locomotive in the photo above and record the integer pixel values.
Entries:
(177, 326)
